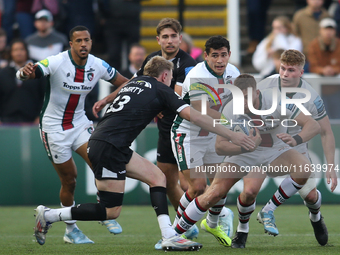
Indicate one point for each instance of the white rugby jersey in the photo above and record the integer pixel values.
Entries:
(68, 86)
(202, 80)
(268, 125)
(315, 105)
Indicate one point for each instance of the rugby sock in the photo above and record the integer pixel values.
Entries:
(159, 203)
(165, 226)
(314, 209)
(288, 188)
(214, 212)
(244, 213)
(70, 224)
(88, 212)
(61, 214)
(190, 216)
(183, 204)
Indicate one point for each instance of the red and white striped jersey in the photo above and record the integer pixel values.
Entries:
(67, 88)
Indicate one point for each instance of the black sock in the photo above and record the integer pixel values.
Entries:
(88, 212)
(159, 201)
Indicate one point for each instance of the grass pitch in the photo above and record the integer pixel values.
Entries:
(140, 233)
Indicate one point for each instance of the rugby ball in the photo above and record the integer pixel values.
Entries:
(241, 125)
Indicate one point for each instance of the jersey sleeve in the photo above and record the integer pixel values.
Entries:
(108, 72)
(292, 111)
(317, 109)
(49, 65)
(184, 69)
(170, 98)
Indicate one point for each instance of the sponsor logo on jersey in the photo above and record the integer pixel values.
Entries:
(73, 87)
(108, 68)
(90, 130)
(90, 70)
(90, 76)
(319, 105)
(227, 80)
(44, 62)
(141, 83)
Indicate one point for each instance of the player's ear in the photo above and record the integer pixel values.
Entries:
(157, 37)
(163, 76)
(302, 71)
(205, 55)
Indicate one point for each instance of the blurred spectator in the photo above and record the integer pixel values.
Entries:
(3, 52)
(281, 37)
(257, 17)
(121, 20)
(24, 17)
(77, 12)
(136, 57)
(8, 18)
(20, 101)
(324, 58)
(46, 41)
(299, 4)
(337, 18)
(188, 46)
(306, 22)
(51, 5)
(277, 61)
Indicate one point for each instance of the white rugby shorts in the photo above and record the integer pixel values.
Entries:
(262, 156)
(59, 145)
(194, 152)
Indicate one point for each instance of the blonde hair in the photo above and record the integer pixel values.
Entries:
(156, 65)
(293, 58)
(285, 21)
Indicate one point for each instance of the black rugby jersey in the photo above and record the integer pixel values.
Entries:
(136, 104)
(183, 63)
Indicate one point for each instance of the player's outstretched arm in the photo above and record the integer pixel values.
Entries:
(328, 145)
(27, 72)
(119, 82)
(207, 123)
(310, 128)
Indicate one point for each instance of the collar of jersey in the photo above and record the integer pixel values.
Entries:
(211, 71)
(74, 63)
(290, 95)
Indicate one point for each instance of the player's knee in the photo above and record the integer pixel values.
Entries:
(69, 183)
(250, 193)
(311, 197)
(158, 180)
(112, 201)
